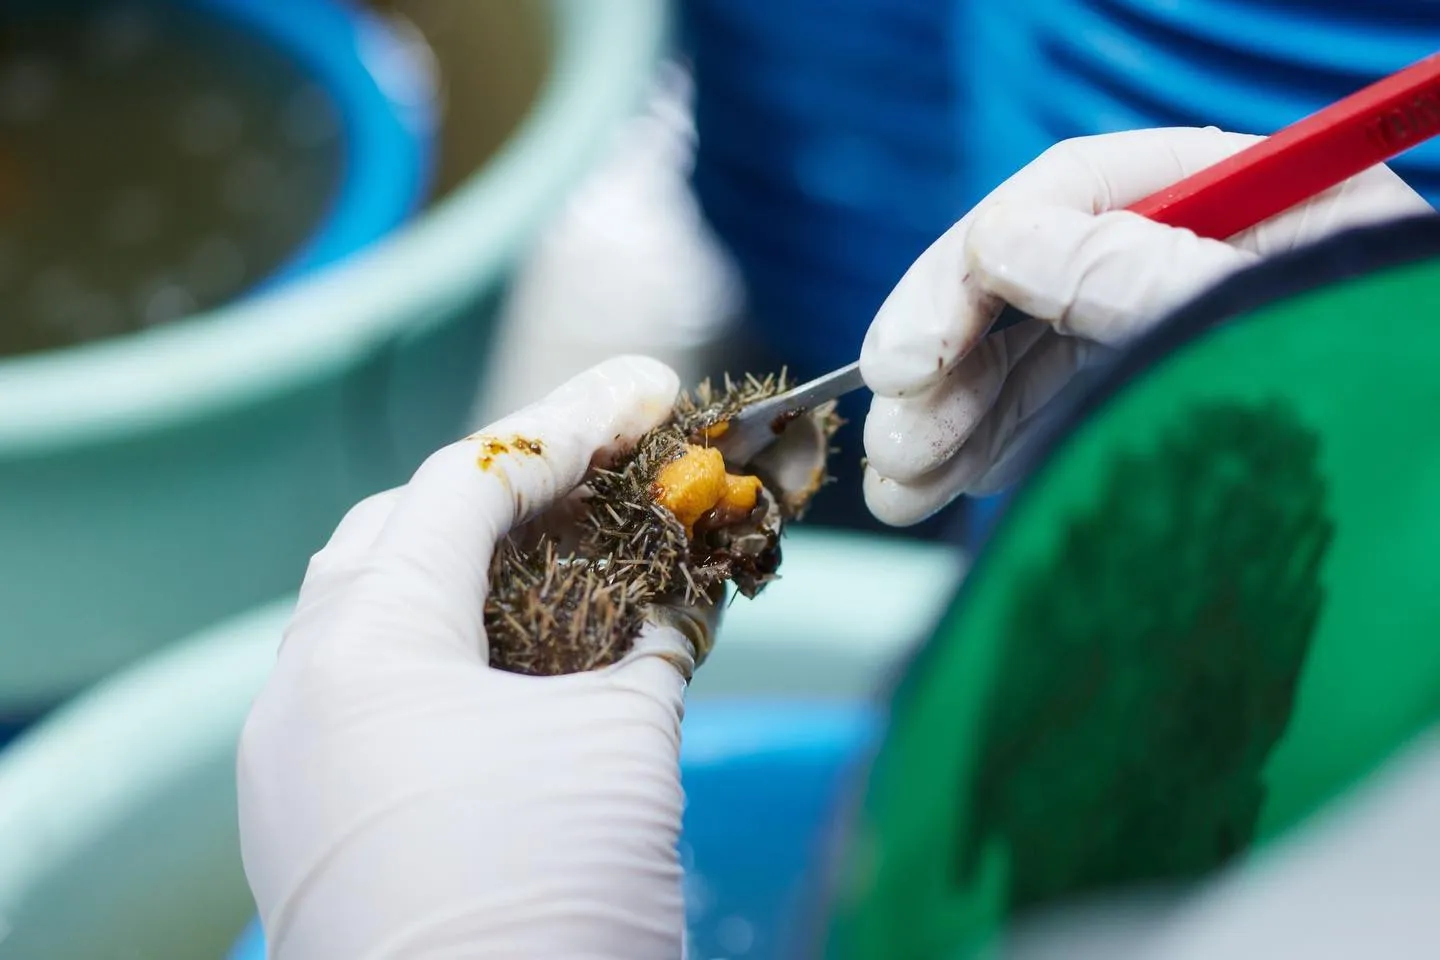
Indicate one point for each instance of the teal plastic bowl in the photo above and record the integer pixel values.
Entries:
(118, 815)
(153, 484)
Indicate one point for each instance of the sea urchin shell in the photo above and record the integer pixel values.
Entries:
(550, 612)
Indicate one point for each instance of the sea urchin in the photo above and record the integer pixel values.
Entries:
(666, 526)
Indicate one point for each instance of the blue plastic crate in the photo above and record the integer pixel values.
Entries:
(1051, 69)
(828, 152)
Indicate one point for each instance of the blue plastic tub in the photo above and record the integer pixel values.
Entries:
(762, 782)
(864, 253)
(827, 155)
(1045, 71)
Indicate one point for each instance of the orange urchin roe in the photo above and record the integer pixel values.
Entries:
(695, 483)
(739, 496)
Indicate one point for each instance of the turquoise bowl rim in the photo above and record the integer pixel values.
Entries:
(327, 322)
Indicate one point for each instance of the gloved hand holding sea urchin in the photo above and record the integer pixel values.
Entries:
(401, 795)
(401, 798)
(953, 407)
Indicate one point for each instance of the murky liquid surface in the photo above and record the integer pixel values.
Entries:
(153, 162)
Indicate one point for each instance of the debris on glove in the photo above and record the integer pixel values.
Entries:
(668, 525)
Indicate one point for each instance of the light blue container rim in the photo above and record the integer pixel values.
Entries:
(388, 112)
(309, 331)
(251, 945)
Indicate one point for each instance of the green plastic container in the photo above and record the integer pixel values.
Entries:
(118, 815)
(153, 484)
(1207, 617)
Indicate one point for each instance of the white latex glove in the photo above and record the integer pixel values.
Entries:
(399, 798)
(1362, 879)
(952, 407)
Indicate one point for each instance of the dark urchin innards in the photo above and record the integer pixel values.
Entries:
(550, 613)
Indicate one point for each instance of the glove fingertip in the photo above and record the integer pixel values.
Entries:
(907, 439)
(644, 390)
(896, 366)
(931, 319)
(897, 505)
(650, 376)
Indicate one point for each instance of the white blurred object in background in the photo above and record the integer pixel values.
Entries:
(629, 267)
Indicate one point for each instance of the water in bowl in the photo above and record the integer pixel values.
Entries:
(154, 160)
